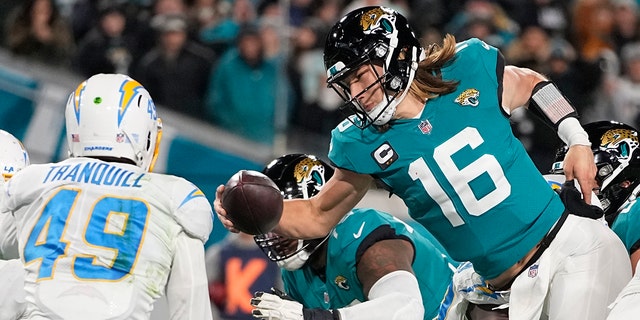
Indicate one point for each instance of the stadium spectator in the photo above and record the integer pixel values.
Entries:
(626, 27)
(223, 35)
(592, 28)
(485, 20)
(625, 92)
(108, 47)
(250, 114)
(176, 72)
(317, 109)
(36, 30)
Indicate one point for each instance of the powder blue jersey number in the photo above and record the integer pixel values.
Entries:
(115, 226)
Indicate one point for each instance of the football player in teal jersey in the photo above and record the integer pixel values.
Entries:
(616, 149)
(432, 126)
(370, 266)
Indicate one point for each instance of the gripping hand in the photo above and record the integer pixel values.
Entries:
(572, 199)
(269, 306)
(279, 306)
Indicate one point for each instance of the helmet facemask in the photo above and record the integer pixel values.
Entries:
(290, 254)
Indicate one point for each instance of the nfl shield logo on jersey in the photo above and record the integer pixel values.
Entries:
(425, 126)
(533, 271)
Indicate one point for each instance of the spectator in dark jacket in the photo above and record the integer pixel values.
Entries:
(108, 47)
(176, 71)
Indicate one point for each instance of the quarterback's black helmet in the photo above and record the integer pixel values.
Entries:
(372, 35)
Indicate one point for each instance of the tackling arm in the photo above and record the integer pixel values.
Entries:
(391, 288)
(389, 283)
(187, 290)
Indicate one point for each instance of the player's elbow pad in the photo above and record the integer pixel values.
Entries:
(395, 296)
(552, 107)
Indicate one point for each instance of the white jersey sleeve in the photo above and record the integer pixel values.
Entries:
(99, 239)
(190, 213)
(8, 237)
(187, 289)
(8, 233)
(12, 296)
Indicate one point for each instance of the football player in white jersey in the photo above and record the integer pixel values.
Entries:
(101, 236)
(13, 158)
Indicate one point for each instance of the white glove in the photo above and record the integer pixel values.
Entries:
(272, 307)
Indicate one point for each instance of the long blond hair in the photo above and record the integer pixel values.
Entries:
(427, 83)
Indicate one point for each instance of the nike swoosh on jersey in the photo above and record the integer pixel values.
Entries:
(359, 233)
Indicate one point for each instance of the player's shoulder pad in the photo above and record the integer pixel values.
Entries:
(346, 130)
(193, 210)
(346, 140)
(474, 45)
(356, 225)
(475, 52)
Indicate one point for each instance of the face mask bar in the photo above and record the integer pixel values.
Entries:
(353, 104)
(278, 248)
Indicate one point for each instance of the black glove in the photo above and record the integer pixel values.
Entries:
(572, 198)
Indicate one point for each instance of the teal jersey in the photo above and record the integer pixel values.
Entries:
(358, 230)
(627, 226)
(459, 168)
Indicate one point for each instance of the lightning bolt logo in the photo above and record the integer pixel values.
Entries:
(195, 193)
(129, 90)
(77, 95)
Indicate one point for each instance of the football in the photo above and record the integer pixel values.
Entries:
(253, 202)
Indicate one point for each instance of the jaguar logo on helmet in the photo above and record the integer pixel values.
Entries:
(468, 97)
(309, 170)
(616, 138)
(377, 19)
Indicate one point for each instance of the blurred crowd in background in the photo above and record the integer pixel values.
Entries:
(255, 68)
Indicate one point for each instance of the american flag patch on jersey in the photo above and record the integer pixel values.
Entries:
(533, 271)
(425, 126)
